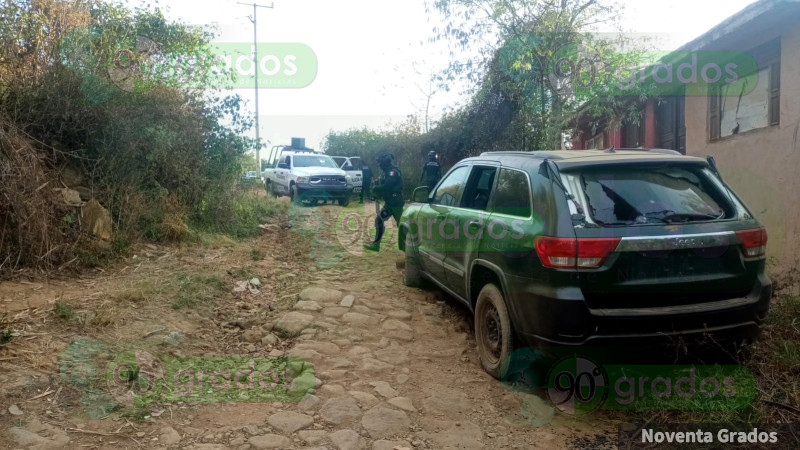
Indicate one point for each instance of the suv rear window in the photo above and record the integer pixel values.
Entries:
(642, 195)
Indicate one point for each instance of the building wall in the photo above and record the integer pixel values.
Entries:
(763, 166)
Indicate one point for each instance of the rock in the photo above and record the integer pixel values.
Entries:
(347, 440)
(403, 403)
(374, 365)
(255, 282)
(206, 447)
(70, 197)
(340, 363)
(334, 311)
(390, 445)
(251, 429)
(366, 399)
(306, 305)
(288, 421)
(320, 294)
(240, 287)
(445, 400)
(275, 353)
(168, 436)
(462, 435)
(325, 348)
(401, 315)
(340, 410)
(362, 309)
(29, 437)
(252, 335)
(347, 301)
(15, 411)
(308, 403)
(293, 322)
(313, 436)
(402, 378)
(359, 350)
(332, 390)
(97, 220)
(359, 319)
(269, 339)
(270, 441)
(383, 388)
(393, 355)
(394, 325)
(381, 422)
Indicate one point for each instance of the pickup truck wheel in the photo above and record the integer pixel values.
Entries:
(493, 330)
(344, 201)
(293, 195)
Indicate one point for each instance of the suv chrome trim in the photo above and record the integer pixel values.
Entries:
(677, 242)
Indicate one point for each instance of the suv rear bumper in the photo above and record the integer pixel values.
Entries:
(572, 322)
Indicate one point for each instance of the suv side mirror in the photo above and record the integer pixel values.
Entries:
(282, 166)
(421, 194)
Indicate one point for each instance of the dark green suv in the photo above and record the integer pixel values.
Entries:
(580, 247)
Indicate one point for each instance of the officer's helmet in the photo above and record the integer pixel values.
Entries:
(385, 160)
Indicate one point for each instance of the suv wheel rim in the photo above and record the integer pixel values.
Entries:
(494, 333)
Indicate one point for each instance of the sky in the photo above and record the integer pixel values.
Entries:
(374, 56)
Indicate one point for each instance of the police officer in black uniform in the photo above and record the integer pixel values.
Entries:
(390, 189)
(431, 171)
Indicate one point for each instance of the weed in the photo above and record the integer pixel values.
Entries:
(136, 415)
(242, 272)
(788, 352)
(64, 310)
(196, 288)
(256, 254)
(6, 336)
(18, 423)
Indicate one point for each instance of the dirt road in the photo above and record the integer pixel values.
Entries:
(396, 367)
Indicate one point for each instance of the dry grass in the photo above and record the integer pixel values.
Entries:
(35, 227)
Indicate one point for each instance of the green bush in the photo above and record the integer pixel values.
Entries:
(236, 213)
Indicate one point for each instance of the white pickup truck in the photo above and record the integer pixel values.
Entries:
(307, 176)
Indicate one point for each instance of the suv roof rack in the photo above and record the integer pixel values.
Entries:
(662, 151)
(533, 154)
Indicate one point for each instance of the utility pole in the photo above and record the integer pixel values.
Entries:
(255, 66)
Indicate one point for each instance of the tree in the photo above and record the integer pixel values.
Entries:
(530, 52)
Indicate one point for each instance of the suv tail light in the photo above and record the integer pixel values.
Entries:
(754, 242)
(574, 253)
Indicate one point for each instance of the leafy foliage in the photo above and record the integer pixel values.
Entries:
(154, 155)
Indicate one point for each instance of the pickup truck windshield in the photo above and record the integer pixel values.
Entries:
(642, 196)
(314, 161)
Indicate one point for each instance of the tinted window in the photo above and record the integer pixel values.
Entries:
(339, 161)
(479, 188)
(449, 189)
(512, 194)
(650, 195)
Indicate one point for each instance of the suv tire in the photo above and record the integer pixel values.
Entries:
(493, 331)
